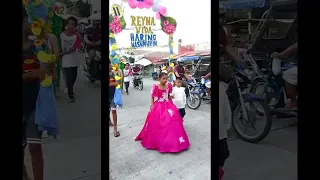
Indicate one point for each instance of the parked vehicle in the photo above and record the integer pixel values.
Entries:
(248, 109)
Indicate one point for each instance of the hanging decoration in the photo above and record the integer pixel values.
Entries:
(144, 37)
(116, 25)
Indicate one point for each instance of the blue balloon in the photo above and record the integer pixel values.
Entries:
(116, 61)
(113, 53)
(40, 11)
(155, 8)
(171, 51)
(112, 40)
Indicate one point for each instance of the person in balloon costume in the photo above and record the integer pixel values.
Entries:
(163, 129)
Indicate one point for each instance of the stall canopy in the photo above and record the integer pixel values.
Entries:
(245, 4)
(143, 62)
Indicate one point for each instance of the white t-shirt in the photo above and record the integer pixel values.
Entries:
(179, 97)
(67, 43)
(125, 73)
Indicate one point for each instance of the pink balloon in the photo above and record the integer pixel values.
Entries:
(148, 2)
(132, 3)
(162, 10)
(158, 15)
(147, 6)
(140, 4)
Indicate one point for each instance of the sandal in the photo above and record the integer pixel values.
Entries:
(116, 133)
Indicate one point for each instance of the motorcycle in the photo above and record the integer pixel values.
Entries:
(244, 112)
(138, 81)
(92, 68)
(192, 94)
(273, 89)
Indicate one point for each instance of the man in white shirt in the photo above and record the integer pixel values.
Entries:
(179, 97)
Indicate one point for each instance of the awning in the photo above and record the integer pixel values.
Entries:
(245, 4)
(143, 62)
(197, 53)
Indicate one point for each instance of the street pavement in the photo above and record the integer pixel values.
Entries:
(77, 153)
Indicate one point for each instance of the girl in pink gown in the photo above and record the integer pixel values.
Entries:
(163, 129)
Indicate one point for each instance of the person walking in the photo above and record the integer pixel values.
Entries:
(127, 77)
(163, 129)
(70, 42)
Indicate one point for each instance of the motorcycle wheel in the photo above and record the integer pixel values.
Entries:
(191, 98)
(269, 93)
(239, 121)
(141, 86)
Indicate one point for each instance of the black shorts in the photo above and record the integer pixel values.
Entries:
(30, 131)
(182, 112)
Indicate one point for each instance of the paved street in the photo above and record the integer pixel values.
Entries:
(77, 155)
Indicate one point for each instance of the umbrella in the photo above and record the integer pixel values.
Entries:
(143, 62)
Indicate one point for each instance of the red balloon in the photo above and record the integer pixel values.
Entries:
(140, 4)
(147, 6)
(148, 2)
(132, 3)
(158, 15)
(162, 10)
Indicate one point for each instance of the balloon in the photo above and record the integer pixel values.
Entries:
(132, 3)
(158, 15)
(155, 8)
(148, 2)
(156, 2)
(140, 4)
(162, 10)
(147, 6)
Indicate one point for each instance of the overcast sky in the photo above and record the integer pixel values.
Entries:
(192, 16)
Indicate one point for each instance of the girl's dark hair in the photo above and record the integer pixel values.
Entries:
(75, 20)
(162, 74)
(64, 22)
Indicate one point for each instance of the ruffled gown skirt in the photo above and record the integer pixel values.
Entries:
(163, 129)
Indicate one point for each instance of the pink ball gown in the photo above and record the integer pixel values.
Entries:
(163, 129)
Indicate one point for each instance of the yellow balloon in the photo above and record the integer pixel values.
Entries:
(111, 35)
(53, 57)
(44, 57)
(37, 2)
(114, 47)
(47, 81)
(118, 87)
(36, 31)
(171, 65)
(118, 78)
(172, 44)
(171, 56)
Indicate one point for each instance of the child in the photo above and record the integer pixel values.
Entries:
(163, 129)
(69, 44)
(179, 97)
(224, 126)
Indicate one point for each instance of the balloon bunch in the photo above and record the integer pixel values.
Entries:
(140, 4)
(116, 63)
(39, 13)
(114, 58)
(168, 25)
(171, 57)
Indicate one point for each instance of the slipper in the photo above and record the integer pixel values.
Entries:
(116, 133)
